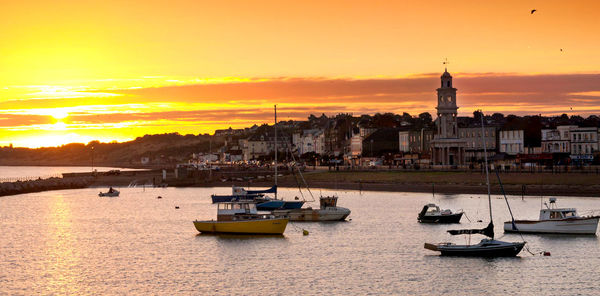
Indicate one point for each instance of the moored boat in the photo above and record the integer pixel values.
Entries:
(485, 248)
(242, 217)
(555, 220)
(110, 193)
(216, 198)
(328, 211)
(431, 213)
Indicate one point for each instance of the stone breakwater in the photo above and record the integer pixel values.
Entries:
(19, 187)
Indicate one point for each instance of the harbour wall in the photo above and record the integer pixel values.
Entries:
(55, 183)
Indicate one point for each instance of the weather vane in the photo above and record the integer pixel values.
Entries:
(445, 63)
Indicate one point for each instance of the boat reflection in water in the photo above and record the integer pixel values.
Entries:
(242, 218)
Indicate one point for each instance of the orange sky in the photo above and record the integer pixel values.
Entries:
(81, 70)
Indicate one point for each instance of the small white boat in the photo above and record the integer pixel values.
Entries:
(555, 220)
(111, 192)
(328, 211)
(432, 213)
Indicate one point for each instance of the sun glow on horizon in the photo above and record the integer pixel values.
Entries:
(72, 74)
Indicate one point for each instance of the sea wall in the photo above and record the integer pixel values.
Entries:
(19, 187)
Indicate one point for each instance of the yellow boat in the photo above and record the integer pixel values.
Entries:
(242, 217)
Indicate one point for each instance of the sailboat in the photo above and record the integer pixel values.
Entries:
(263, 203)
(486, 247)
(327, 211)
(269, 204)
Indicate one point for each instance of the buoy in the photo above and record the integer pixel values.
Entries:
(546, 253)
(350, 219)
(479, 220)
(304, 232)
(159, 197)
(177, 207)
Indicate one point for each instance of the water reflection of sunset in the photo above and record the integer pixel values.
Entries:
(62, 267)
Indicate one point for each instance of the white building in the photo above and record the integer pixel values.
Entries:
(310, 141)
(557, 140)
(263, 144)
(356, 145)
(512, 142)
(584, 143)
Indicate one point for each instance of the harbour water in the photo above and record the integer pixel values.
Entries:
(33, 172)
(74, 242)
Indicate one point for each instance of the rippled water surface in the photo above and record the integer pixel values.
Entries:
(32, 172)
(74, 242)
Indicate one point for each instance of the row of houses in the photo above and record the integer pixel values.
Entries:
(411, 146)
(446, 141)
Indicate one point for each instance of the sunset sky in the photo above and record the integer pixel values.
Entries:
(76, 71)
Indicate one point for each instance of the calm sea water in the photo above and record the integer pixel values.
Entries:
(74, 242)
(32, 172)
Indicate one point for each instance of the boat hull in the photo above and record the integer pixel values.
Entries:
(289, 205)
(565, 226)
(315, 215)
(109, 194)
(452, 218)
(228, 198)
(258, 226)
(491, 249)
(270, 205)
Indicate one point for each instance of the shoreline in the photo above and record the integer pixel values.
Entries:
(515, 184)
(437, 188)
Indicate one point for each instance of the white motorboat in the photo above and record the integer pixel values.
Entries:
(111, 192)
(555, 220)
(328, 211)
(432, 213)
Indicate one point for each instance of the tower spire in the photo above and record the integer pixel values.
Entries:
(445, 63)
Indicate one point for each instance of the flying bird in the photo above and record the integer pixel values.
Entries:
(533, 10)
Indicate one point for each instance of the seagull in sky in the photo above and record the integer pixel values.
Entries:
(533, 10)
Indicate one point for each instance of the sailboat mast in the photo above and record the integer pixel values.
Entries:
(275, 106)
(487, 176)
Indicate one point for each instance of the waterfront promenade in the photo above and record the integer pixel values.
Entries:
(555, 181)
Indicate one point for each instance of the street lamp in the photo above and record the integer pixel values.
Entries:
(92, 159)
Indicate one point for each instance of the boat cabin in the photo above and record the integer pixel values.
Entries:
(551, 212)
(228, 210)
(558, 214)
(433, 209)
(328, 201)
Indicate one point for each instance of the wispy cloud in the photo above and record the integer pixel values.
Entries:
(211, 104)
